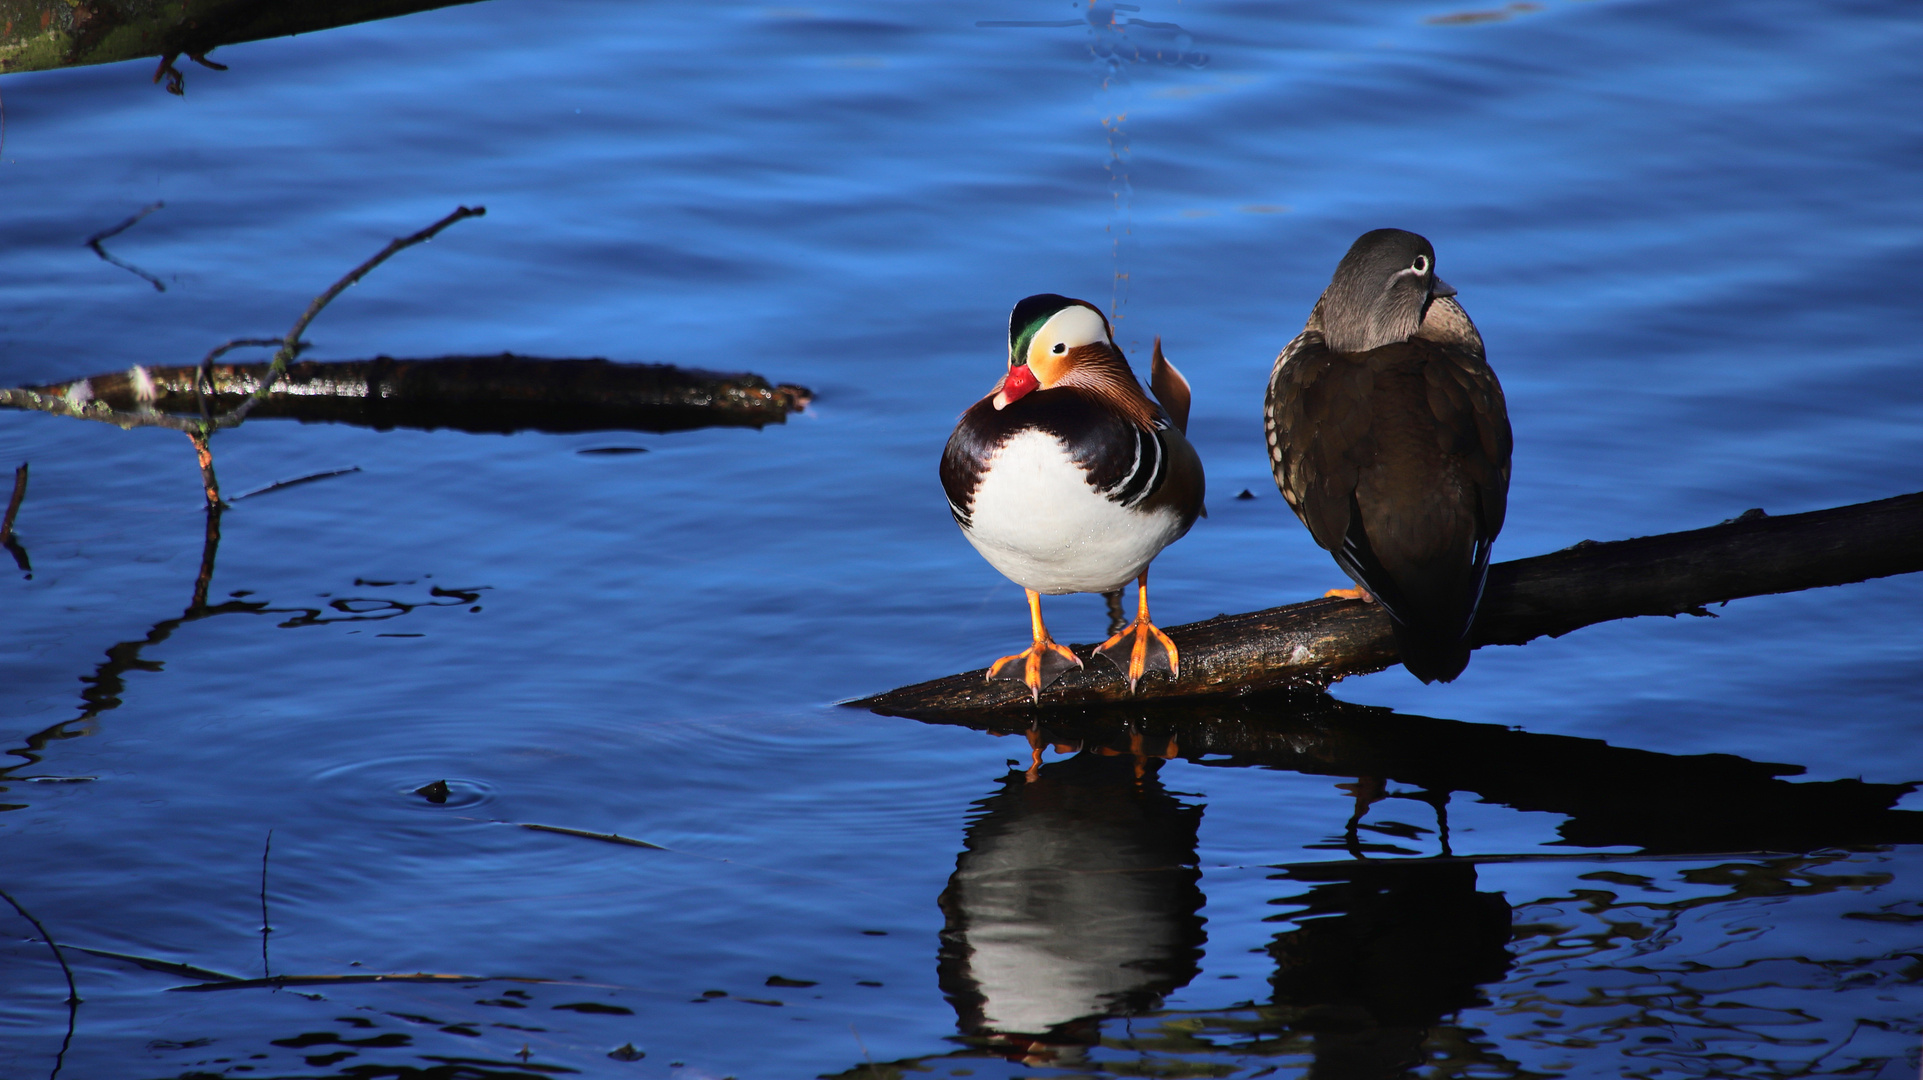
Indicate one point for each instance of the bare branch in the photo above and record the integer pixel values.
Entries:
(205, 455)
(8, 538)
(290, 345)
(105, 234)
(13, 504)
(203, 379)
(108, 234)
(87, 408)
(73, 991)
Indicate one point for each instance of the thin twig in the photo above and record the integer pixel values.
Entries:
(291, 343)
(176, 82)
(13, 504)
(280, 485)
(266, 928)
(107, 234)
(8, 538)
(203, 374)
(73, 992)
(350, 980)
(205, 454)
(864, 1049)
(198, 430)
(611, 838)
(209, 547)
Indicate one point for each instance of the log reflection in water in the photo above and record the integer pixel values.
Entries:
(1075, 898)
(1611, 796)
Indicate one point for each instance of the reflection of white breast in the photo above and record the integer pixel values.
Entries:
(1062, 923)
(1036, 518)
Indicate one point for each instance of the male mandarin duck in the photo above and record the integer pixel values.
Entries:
(1069, 478)
(1390, 440)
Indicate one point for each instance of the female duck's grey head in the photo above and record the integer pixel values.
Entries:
(1380, 291)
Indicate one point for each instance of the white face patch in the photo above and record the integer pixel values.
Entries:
(1065, 331)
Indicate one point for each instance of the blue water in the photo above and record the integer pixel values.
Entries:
(1688, 232)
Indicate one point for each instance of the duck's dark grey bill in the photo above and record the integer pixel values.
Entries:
(1442, 288)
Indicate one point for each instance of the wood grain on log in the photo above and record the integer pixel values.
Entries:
(1310, 645)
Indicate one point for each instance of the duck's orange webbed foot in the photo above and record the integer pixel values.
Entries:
(1141, 647)
(1349, 594)
(1037, 666)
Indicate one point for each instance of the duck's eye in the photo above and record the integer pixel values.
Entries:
(1060, 348)
(1421, 265)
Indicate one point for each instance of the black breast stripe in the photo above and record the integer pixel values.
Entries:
(1145, 478)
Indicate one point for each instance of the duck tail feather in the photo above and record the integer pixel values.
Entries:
(1171, 389)
(1431, 656)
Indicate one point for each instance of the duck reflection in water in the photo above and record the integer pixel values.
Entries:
(1075, 899)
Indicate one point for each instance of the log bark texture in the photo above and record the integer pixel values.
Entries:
(468, 393)
(44, 34)
(1309, 645)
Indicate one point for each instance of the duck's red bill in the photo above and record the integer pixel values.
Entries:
(1020, 381)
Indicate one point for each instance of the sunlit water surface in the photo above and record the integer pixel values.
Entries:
(1690, 233)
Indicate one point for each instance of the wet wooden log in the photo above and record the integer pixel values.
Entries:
(467, 393)
(1310, 645)
(43, 34)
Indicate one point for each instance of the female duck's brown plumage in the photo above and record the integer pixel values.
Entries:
(1390, 440)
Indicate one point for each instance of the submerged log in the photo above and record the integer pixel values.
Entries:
(1310, 645)
(499, 394)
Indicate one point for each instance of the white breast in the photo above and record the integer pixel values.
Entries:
(1036, 518)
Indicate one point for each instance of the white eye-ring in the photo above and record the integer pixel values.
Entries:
(1421, 265)
(1060, 348)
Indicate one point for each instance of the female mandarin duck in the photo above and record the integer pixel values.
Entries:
(1068, 478)
(1390, 440)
